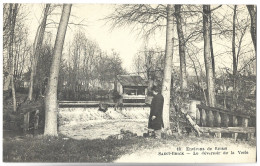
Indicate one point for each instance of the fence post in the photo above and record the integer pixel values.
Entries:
(245, 124)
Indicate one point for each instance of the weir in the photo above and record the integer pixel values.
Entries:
(91, 112)
(82, 111)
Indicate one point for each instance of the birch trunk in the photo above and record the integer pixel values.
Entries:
(51, 104)
(166, 85)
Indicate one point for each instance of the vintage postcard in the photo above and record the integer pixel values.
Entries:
(124, 82)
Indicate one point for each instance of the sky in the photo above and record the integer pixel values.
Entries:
(122, 40)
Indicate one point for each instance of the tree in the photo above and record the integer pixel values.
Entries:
(182, 46)
(252, 12)
(207, 58)
(11, 22)
(234, 97)
(166, 85)
(211, 46)
(144, 18)
(37, 48)
(43, 69)
(149, 63)
(234, 42)
(51, 105)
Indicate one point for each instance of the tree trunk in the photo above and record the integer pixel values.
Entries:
(252, 12)
(234, 96)
(37, 48)
(166, 86)
(234, 43)
(51, 105)
(15, 11)
(211, 48)
(181, 48)
(207, 58)
(11, 64)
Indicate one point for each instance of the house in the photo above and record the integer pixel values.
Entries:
(132, 88)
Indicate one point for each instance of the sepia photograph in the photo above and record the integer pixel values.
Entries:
(129, 82)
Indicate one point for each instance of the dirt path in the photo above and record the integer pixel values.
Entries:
(166, 152)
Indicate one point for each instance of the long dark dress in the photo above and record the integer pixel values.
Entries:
(156, 110)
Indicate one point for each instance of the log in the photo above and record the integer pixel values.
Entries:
(194, 126)
(228, 129)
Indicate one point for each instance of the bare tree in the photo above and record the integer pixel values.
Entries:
(51, 104)
(37, 47)
(11, 22)
(149, 63)
(144, 18)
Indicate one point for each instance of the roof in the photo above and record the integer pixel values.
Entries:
(131, 80)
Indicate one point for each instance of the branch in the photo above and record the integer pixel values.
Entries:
(216, 8)
(248, 63)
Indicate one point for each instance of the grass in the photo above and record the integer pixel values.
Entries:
(51, 149)
(48, 149)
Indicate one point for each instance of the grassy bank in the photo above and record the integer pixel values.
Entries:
(47, 149)
(60, 149)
